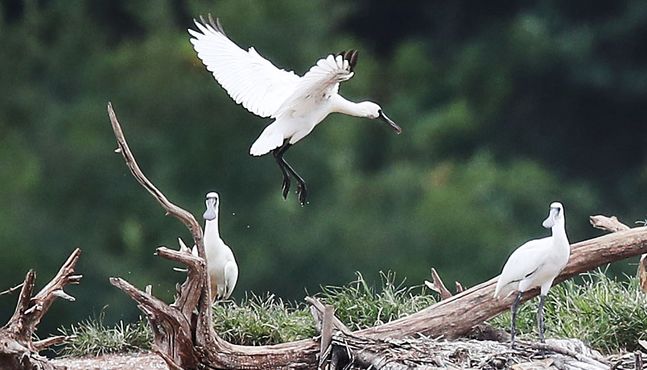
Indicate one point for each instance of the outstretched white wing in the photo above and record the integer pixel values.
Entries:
(322, 80)
(248, 78)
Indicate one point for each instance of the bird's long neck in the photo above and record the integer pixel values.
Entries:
(341, 105)
(559, 234)
(211, 229)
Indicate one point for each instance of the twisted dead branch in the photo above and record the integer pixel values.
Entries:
(17, 350)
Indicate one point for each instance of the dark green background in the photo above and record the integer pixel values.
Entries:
(505, 106)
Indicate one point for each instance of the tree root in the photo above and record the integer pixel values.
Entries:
(17, 350)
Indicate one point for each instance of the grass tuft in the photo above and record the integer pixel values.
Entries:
(262, 320)
(360, 306)
(93, 337)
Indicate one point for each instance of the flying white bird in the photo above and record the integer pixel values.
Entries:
(221, 265)
(536, 264)
(296, 103)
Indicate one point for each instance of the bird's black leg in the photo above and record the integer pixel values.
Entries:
(302, 190)
(514, 307)
(540, 318)
(278, 156)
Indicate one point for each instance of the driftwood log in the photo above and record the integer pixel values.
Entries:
(17, 349)
(185, 339)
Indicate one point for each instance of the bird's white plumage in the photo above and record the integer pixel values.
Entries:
(314, 98)
(221, 264)
(537, 262)
(318, 85)
(248, 78)
(297, 103)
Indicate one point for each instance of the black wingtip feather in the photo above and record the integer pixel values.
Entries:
(351, 57)
(215, 23)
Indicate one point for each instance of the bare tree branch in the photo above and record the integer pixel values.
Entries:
(11, 290)
(185, 217)
(437, 285)
(605, 223)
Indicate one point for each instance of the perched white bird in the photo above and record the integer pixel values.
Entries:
(536, 264)
(221, 265)
(297, 104)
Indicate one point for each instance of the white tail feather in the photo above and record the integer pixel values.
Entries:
(268, 140)
(504, 289)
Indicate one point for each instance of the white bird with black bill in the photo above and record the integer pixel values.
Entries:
(221, 264)
(296, 103)
(536, 264)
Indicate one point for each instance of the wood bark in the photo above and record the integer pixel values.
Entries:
(611, 224)
(17, 350)
(189, 342)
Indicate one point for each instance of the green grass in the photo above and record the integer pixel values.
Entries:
(608, 314)
(262, 320)
(360, 306)
(93, 337)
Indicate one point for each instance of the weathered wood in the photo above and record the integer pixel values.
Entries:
(437, 285)
(171, 329)
(605, 223)
(194, 290)
(17, 350)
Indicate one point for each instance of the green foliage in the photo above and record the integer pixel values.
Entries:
(503, 108)
(604, 312)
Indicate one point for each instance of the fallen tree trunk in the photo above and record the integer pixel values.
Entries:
(17, 350)
(186, 340)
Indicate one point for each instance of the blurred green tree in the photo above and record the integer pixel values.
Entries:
(506, 106)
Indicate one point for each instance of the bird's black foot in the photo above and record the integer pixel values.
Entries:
(302, 191)
(285, 188)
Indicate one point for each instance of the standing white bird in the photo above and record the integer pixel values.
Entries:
(221, 265)
(297, 104)
(536, 264)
